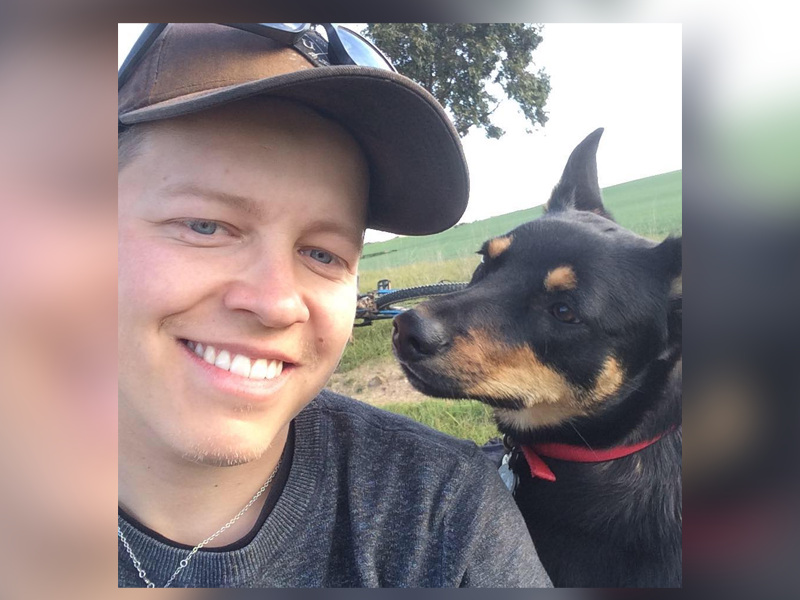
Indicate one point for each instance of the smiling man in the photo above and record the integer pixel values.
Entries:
(249, 169)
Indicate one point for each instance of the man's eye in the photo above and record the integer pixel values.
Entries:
(321, 256)
(203, 227)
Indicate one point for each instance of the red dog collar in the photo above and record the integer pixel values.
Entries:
(571, 453)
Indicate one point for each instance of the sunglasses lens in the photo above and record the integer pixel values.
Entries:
(292, 27)
(289, 27)
(361, 51)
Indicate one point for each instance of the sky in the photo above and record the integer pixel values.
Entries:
(626, 78)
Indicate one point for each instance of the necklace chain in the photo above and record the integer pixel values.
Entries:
(185, 562)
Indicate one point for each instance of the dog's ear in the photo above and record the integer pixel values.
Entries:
(579, 188)
(669, 257)
(669, 261)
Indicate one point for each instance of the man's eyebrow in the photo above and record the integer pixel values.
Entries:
(354, 235)
(242, 203)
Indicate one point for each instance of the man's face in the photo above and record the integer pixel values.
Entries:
(239, 229)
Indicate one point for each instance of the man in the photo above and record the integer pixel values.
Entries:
(246, 182)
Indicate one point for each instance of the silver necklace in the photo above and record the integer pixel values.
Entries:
(185, 562)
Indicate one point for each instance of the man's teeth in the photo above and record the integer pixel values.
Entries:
(239, 364)
(272, 369)
(223, 360)
(259, 369)
(210, 355)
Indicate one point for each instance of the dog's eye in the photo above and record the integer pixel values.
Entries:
(564, 313)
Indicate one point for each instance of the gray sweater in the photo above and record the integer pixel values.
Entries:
(371, 499)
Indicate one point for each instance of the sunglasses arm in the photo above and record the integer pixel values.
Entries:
(286, 37)
(336, 48)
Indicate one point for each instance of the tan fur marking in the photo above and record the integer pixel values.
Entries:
(560, 279)
(609, 381)
(528, 419)
(490, 369)
(499, 245)
(580, 404)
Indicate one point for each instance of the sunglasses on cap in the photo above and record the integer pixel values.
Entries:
(324, 44)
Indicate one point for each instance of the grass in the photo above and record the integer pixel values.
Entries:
(651, 207)
(465, 419)
(421, 273)
(369, 344)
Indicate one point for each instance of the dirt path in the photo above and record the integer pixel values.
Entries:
(376, 383)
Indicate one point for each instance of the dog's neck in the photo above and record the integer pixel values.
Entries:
(648, 514)
(648, 406)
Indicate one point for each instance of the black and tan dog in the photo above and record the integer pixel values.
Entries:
(571, 330)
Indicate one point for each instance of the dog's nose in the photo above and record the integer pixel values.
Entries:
(416, 337)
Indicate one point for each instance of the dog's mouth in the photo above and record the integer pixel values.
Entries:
(421, 379)
(434, 383)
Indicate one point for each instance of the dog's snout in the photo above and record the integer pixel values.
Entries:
(416, 337)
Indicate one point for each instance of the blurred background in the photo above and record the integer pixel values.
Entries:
(740, 189)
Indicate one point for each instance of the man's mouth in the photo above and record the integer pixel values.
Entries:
(238, 364)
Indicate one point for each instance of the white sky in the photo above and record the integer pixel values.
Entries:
(624, 77)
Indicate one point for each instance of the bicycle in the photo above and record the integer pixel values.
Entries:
(386, 303)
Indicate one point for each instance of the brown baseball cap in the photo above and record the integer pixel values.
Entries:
(419, 182)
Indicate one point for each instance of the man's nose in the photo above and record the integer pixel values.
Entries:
(416, 337)
(271, 292)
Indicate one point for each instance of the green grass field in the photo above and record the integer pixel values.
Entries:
(465, 419)
(650, 206)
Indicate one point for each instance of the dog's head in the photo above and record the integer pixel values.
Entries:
(563, 317)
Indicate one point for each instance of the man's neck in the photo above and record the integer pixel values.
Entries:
(187, 502)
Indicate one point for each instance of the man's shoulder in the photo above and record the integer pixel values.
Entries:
(437, 501)
(382, 430)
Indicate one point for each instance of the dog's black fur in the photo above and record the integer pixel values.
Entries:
(589, 355)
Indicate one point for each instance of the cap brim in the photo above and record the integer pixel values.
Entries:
(419, 180)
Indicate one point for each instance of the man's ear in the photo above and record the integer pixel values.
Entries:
(579, 188)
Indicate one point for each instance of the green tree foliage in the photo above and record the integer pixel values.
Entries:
(456, 61)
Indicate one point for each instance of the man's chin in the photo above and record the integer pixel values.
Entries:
(216, 441)
(221, 458)
(215, 450)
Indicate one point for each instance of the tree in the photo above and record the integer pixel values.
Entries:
(455, 61)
